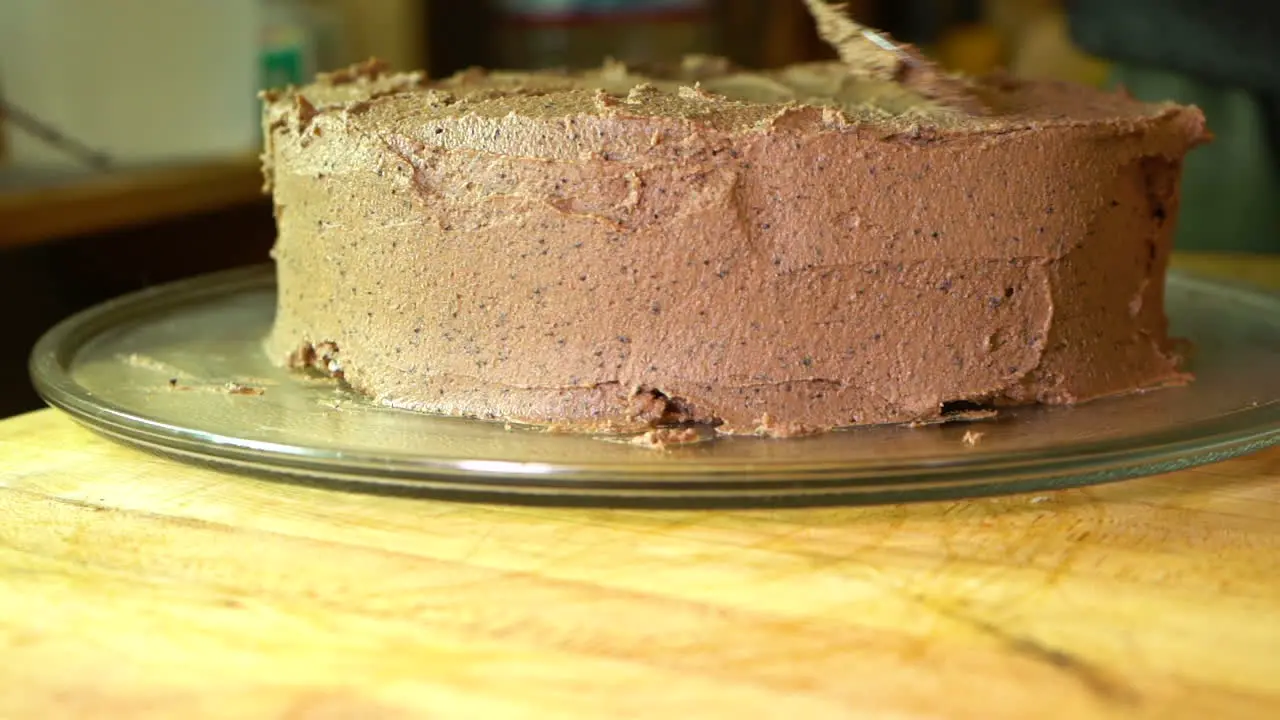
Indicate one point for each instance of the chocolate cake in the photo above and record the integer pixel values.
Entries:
(860, 241)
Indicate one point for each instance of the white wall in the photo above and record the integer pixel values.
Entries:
(143, 80)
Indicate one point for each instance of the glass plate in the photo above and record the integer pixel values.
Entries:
(179, 369)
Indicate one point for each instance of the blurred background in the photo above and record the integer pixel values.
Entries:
(129, 128)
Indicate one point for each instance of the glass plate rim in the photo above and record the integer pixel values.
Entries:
(1086, 462)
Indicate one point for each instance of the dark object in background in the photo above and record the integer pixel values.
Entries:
(457, 36)
(752, 33)
(1224, 56)
(580, 33)
(923, 22)
(1229, 42)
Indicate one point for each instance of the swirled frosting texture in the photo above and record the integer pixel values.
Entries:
(774, 252)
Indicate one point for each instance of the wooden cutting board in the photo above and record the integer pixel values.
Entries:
(136, 587)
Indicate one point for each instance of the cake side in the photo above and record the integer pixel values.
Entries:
(535, 249)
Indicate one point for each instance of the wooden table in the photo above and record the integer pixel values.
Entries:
(134, 586)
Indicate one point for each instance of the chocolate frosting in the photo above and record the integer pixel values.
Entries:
(776, 252)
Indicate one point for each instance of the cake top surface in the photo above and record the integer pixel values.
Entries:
(876, 83)
(710, 91)
(877, 87)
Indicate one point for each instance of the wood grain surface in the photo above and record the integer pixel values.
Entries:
(139, 587)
